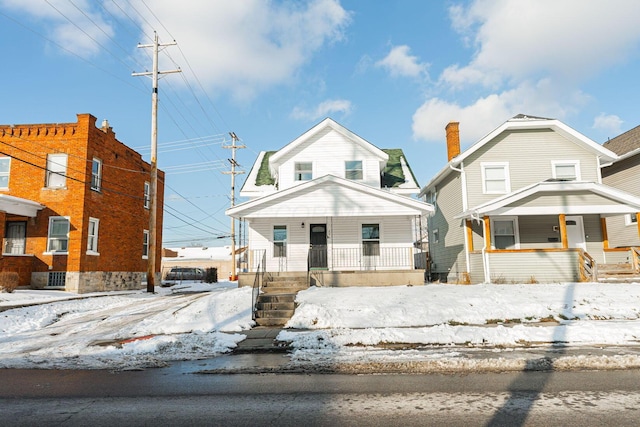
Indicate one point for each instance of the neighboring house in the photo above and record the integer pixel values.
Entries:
(333, 204)
(525, 203)
(203, 257)
(74, 207)
(624, 174)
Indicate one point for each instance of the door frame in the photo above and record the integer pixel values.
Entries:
(322, 249)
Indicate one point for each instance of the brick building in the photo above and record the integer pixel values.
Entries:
(74, 207)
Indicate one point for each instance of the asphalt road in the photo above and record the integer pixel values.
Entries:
(179, 395)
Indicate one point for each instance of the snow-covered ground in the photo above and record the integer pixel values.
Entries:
(402, 324)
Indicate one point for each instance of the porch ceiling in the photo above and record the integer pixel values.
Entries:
(558, 197)
(18, 206)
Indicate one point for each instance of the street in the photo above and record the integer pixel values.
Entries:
(179, 395)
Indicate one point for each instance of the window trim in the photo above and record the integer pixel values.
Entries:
(7, 173)
(303, 172)
(61, 172)
(147, 195)
(347, 170)
(377, 240)
(281, 243)
(49, 238)
(436, 235)
(92, 249)
(96, 178)
(516, 232)
(494, 165)
(631, 220)
(574, 163)
(145, 244)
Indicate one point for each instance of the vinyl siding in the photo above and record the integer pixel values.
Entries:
(584, 198)
(530, 155)
(328, 151)
(624, 175)
(528, 267)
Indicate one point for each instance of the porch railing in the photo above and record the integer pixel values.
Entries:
(635, 259)
(587, 267)
(258, 280)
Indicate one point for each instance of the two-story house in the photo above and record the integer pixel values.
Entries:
(333, 204)
(624, 174)
(526, 203)
(74, 207)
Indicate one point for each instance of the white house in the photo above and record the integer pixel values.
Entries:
(332, 207)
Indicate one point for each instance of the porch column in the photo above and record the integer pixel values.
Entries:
(563, 231)
(469, 232)
(487, 232)
(605, 235)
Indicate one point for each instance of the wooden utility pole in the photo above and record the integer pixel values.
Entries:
(233, 172)
(153, 187)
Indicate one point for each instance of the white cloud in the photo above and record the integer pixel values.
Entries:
(74, 26)
(399, 63)
(324, 109)
(608, 123)
(246, 46)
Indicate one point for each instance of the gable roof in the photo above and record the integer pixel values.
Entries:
(624, 143)
(281, 154)
(523, 122)
(621, 202)
(336, 186)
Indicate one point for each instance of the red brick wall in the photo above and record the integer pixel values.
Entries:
(118, 206)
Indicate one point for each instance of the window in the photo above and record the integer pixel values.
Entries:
(631, 219)
(96, 174)
(495, 178)
(371, 239)
(566, 170)
(147, 195)
(92, 236)
(58, 238)
(5, 167)
(304, 171)
(279, 241)
(436, 235)
(504, 231)
(56, 170)
(353, 169)
(145, 244)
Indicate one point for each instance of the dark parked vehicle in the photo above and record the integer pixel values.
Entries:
(185, 273)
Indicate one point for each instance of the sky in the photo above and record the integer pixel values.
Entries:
(437, 327)
(393, 72)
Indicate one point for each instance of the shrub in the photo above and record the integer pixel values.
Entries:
(9, 281)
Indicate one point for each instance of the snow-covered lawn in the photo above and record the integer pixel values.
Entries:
(130, 330)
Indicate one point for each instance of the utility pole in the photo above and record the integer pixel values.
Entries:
(153, 187)
(233, 174)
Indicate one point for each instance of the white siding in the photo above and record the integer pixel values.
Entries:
(328, 151)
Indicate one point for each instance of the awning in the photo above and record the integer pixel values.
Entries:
(19, 206)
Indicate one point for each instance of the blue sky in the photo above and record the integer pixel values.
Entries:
(394, 72)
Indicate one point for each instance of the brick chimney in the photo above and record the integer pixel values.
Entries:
(453, 139)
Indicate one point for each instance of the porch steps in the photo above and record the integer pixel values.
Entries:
(276, 304)
(617, 273)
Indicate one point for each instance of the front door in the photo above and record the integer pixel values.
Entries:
(575, 232)
(15, 238)
(318, 246)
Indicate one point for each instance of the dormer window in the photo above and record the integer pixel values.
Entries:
(566, 170)
(353, 170)
(304, 171)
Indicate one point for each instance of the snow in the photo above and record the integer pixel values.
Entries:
(219, 253)
(432, 324)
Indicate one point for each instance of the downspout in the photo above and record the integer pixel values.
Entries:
(485, 255)
(463, 188)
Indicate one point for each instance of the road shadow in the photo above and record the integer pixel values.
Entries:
(526, 389)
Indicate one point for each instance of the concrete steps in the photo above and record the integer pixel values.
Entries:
(276, 303)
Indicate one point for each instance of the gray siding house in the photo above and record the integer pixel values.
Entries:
(526, 203)
(624, 174)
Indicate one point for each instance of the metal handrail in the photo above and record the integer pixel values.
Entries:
(258, 280)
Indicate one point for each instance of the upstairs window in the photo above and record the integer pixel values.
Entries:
(58, 237)
(495, 178)
(96, 174)
(56, 170)
(371, 239)
(147, 195)
(566, 170)
(279, 241)
(5, 167)
(304, 171)
(353, 170)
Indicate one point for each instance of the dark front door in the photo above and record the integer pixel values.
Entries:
(318, 246)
